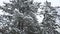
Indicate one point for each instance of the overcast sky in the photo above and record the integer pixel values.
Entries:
(54, 2)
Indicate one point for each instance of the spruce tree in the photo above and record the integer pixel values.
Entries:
(49, 21)
(21, 16)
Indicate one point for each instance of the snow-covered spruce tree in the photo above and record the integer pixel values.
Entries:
(21, 16)
(49, 21)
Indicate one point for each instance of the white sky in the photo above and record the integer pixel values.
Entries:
(54, 2)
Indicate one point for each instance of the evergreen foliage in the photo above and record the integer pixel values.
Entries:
(22, 18)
